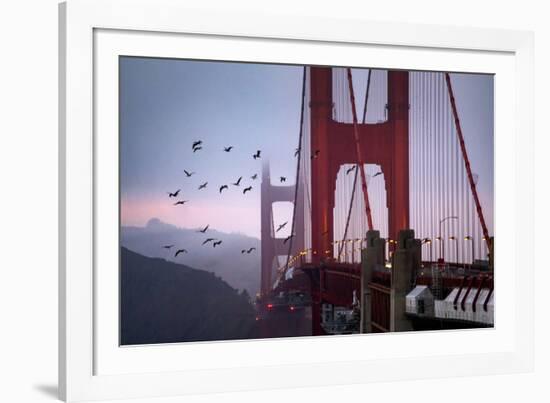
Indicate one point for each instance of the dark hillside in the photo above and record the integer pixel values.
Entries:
(163, 302)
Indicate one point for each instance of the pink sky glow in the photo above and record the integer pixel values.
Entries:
(228, 218)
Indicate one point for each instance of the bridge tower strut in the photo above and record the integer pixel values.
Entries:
(333, 144)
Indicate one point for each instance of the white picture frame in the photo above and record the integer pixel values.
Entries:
(92, 366)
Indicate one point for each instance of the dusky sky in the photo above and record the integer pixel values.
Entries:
(167, 104)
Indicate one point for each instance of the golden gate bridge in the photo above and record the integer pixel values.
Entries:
(384, 201)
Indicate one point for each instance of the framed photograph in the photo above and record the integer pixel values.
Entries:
(244, 207)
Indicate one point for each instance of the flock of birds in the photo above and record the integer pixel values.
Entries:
(198, 146)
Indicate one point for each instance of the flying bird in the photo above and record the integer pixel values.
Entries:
(288, 238)
(208, 240)
(243, 251)
(216, 243)
(247, 189)
(227, 149)
(203, 185)
(316, 154)
(250, 250)
(376, 174)
(196, 143)
(283, 179)
(281, 226)
(253, 177)
(180, 202)
(167, 246)
(188, 174)
(180, 251)
(257, 155)
(175, 194)
(204, 229)
(197, 149)
(238, 183)
(351, 169)
(223, 187)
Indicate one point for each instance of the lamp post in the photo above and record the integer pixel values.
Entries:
(441, 246)
(440, 240)
(469, 238)
(428, 242)
(452, 238)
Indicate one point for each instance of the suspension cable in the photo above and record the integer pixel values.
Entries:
(467, 162)
(358, 149)
(296, 186)
(356, 173)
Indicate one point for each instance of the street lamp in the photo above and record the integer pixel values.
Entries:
(469, 238)
(441, 246)
(438, 238)
(452, 238)
(428, 242)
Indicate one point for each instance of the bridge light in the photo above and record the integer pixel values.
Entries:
(438, 238)
(452, 238)
(314, 252)
(269, 306)
(468, 238)
(292, 308)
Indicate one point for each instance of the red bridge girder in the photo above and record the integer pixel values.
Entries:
(385, 144)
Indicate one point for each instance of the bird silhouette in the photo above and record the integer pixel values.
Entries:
(316, 154)
(223, 187)
(203, 185)
(253, 177)
(281, 226)
(180, 202)
(250, 250)
(257, 155)
(174, 194)
(188, 174)
(288, 238)
(196, 143)
(243, 251)
(283, 179)
(167, 246)
(227, 149)
(376, 174)
(238, 183)
(197, 149)
(297, 151)
(216, 243)
(208, 240)
(180, 251)
(204, 229)
(247, 189)
(351, 169)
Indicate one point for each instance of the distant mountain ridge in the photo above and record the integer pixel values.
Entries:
(240, 270)
(164, 302)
